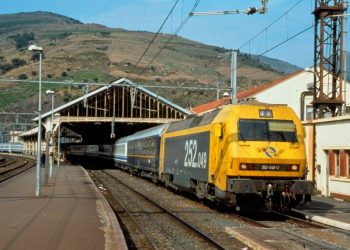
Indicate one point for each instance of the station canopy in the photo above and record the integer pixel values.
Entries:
(113, 111)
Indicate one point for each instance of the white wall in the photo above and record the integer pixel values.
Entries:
(331, 133)
(289, 92)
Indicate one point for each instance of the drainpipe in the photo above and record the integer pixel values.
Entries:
(313, 164)
(344, 34)
(313, 136)
(302, 102)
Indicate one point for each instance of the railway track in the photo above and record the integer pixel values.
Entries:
(277, 219)
(249, 221)
(178, 230)
(299, 222)
(226, 227)
(11, 166)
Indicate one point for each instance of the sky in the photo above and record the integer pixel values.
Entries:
(233, 31)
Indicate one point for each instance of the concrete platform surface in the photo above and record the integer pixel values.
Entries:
(70, 213)
(328, 211)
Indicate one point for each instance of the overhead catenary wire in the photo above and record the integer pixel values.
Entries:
(264, 30)
(279, 44)
(183, 23)
(227, 55)
(108, 84)
(154, 37)
(270, 25)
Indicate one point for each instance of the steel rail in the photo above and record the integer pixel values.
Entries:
(138, 225)
(10, 172)
(298, 221)
(250, 221)
(189, 226)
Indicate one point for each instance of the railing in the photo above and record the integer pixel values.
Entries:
(11, 147)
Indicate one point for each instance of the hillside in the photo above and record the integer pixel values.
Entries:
(79, 52)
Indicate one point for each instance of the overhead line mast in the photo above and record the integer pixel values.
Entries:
(328, 57)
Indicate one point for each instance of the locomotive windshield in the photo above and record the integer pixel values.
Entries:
(266, 130)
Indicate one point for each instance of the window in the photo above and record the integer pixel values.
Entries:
(309, 112)
(343, 163)
(331, 160)
(337, 163)
(266, 130)
(348, 155)
(348, 162)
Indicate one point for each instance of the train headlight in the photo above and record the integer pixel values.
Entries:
(295, 168)
(265, 113)
(243, 166)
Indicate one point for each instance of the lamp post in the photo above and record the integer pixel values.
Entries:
(52, 94)
(39, 50)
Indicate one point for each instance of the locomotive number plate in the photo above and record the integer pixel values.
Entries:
(270, 167)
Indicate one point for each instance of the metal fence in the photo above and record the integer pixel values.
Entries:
(11, 148)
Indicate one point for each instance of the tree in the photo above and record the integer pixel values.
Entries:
(23, 39)
(36, 56)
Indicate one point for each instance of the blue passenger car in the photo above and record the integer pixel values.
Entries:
(142, 150)
(120, 151)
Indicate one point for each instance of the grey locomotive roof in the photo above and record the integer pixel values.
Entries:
(193, 121)
(148, 132)
(121, 81)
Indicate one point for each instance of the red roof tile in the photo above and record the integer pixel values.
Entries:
(241, 95)
(211, 105)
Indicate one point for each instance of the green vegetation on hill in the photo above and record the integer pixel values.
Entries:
(79, 52)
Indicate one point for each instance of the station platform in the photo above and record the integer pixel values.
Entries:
(70, 213)
(327, 211)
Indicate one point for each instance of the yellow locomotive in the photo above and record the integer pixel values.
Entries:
(245, 155)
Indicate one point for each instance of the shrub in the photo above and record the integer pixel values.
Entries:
(64, 74)
(17, 62)
(22, 77)
(105, 33)
(49, 76)
(34, 73)
(6, 67)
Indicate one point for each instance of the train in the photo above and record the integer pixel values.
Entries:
(246, 156)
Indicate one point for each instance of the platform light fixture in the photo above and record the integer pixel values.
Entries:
(37, 49)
